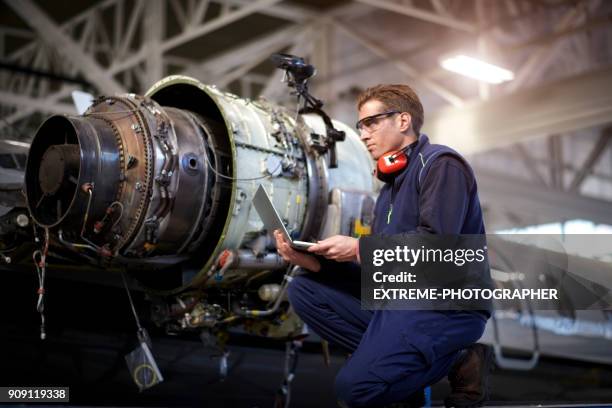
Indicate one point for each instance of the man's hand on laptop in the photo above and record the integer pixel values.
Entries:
(294, 257)
(339, 248)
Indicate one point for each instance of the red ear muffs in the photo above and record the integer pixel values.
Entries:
(391, 164)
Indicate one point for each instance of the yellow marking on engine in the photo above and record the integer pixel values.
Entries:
(361, 229)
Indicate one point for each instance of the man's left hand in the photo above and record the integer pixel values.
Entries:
(339, 248)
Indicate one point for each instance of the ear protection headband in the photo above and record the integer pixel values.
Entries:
(390, 164)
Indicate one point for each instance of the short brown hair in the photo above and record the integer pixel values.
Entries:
(396, 97)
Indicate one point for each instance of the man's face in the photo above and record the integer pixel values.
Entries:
(383, 133)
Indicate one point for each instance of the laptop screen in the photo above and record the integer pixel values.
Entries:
(267, 212)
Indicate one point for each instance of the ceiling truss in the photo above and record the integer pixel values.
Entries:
(121, 45)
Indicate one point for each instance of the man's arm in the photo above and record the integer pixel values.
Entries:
(443, 205)
(339, 248)
(294, 257)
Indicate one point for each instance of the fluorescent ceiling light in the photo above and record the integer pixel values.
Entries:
(474, 68)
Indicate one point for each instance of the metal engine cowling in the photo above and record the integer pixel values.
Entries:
(163, 183)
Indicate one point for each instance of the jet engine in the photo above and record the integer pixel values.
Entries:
(160, 186)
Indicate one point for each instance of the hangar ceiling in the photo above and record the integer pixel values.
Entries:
(540, 143)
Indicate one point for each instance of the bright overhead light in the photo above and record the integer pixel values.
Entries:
(474, 68)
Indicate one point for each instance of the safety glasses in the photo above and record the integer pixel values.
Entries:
(368, 123)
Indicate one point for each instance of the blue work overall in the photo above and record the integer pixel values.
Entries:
(397, 353)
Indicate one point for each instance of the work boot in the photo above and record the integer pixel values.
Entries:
(469, 377)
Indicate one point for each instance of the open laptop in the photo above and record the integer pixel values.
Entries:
(272, 221)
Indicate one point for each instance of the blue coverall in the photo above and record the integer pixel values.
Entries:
(397, 353)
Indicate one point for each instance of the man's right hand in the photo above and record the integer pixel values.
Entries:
(294, 257)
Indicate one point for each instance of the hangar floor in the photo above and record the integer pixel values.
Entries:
(94, 368)
(86, 352)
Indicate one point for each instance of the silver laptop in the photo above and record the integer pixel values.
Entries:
(272, 221)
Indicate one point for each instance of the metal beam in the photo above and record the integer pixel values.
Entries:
(65, 45)
(217, 23)
(529, 163)
(441, 8)
(540, 58)
(404, 67)
(555, 153)
(234, 57)
(547, 39)
(322, 57)
(239, 72)
(291, 12)
(214, 66)
(255, 78)
(32, 72)
(481, 43)
(23, 101)
(589, 163)
(567, 105)
(128, 35)
(350, 69)
(421, 15)
(539, 203)
(154, 29)
(245, 88)
(65, 26)
(251, 62)
(45, 102)
(199, 12)
(193, 32)
(16, 32)
(286, 11)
